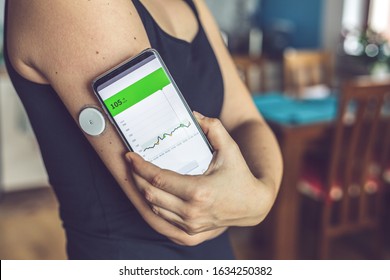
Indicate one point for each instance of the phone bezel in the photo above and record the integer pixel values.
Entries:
(124, 66)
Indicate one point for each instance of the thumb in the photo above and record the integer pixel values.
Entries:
(215, 131)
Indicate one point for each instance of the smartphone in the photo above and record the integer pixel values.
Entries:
(151, 115)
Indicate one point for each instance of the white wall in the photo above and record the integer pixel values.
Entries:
(2, 10)
(331, 23)
(230, 12)
(21, 161)
(2, 2)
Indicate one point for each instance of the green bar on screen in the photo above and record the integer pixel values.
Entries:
(136, 92)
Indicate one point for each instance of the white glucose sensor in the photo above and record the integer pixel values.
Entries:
(92, 121)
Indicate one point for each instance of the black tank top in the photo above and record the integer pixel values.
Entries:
(99, 220)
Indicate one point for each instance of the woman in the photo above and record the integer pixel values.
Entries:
(117, 207)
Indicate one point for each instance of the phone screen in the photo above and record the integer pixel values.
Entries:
(152, 116)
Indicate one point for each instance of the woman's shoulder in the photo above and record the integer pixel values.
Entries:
(46, 35)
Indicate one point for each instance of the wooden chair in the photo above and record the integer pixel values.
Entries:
(306, 68)
(351, 190)
(249, 68)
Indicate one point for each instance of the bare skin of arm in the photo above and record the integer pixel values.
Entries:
(68, 43)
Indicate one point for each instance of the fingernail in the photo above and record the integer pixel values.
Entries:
(199, 115)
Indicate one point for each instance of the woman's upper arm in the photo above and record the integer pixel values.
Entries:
(238, 106)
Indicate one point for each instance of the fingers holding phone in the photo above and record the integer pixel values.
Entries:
(224, 196)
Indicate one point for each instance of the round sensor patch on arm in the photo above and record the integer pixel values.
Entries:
(92, 121)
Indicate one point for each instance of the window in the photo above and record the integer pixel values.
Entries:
(359, 14)
(379, 17)
(353, 15)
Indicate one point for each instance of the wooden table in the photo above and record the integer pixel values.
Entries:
(284, 218)
(297, 124)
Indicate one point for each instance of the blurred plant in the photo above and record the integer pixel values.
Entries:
(372, 49)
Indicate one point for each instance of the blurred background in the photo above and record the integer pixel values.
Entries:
(318, 71)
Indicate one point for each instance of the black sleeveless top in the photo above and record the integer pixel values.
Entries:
(99, 220)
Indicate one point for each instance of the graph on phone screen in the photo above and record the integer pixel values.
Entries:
(165, 134)
(154, 121)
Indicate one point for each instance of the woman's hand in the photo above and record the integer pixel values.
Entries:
(226, 195)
